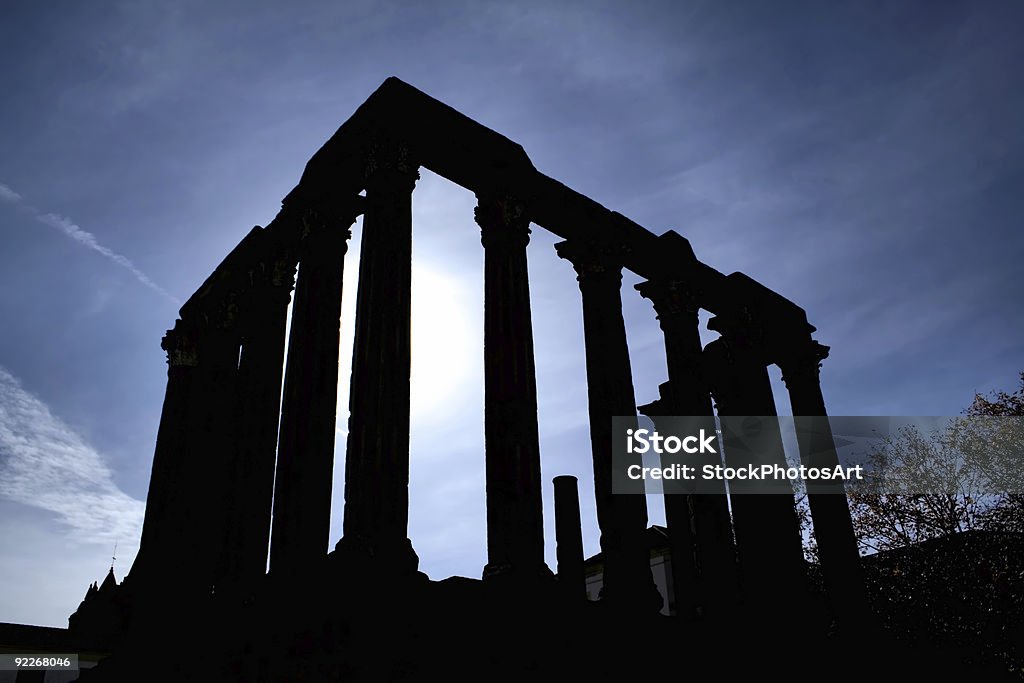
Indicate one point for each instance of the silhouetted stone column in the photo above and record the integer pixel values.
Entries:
(261, 368)
(569, 538)
(515, 526)
(305, 460)
(768, 541)
(184, 523)
(830, 512)
(682, 532)
(377, 459)
(687, 394)
(627, 583)
(677, 310)
(162, 535)
(215, 429)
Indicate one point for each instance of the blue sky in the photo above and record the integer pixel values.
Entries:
(862, 158)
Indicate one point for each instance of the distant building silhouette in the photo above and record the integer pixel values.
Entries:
(102, 617)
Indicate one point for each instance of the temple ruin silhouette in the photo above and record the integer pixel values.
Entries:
(244, 455)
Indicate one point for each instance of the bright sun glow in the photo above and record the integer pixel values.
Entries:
(443, 352)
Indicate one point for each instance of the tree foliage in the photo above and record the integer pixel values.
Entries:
(968, 475)
(1008, 472)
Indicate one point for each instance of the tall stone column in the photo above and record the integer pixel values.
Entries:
(305, 457)
(628, 583)
(261, 368)
(830, 512)
(768, 540)
(162, 535)
(377, 460)
(515, 526)
(212, 441)
(687, 583)
(183, 527)
(687, 394)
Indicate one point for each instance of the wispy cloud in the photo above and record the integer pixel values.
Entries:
(9, 195)
(45, 464)
(85, 238)
(89, 240)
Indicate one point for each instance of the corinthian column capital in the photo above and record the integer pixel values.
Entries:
(329, 217)
(182, 345)
(802, 362)
(502, 219)
(742, 334)
(596, 265)
(389, 163)
(671, 298)
(280, 274)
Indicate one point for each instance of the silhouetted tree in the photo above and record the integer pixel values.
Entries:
(1001, 404)
(803, 513)
(1003, 465)
(965, 476)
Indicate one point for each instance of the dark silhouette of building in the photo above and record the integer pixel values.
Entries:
(103, 616)
(245, 450)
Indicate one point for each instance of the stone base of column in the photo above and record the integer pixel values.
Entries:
(392, 558)
(717, 552)
(628, 586)
(506, 572)
(514, 588)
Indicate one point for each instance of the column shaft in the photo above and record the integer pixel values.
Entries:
(162, 535)
(305, 460)
(830, 512)
(183, 532)
(261, 369)
(515, 526)
(210, 457)
(688, 394)
(377, 458)
(627, 582)
(767, 529)
(688, 586)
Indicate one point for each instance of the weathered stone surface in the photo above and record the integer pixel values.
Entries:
(687, 393)
(377, 457)
(305, 458)
(830, 512)
(515, 525)
(622, 518)
(766, 526)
